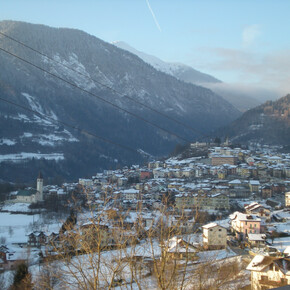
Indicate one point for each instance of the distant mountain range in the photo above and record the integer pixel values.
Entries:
(268, 123)
(29, 142)
(240, 97)
(180, 71)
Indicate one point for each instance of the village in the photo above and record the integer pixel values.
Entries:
(223, 203)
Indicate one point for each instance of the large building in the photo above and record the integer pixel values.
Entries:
(214, 236)
(223, 159)
(203, 201)
(244, 224)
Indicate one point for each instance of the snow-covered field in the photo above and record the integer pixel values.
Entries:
(280, 227)
(281, 243)
(84, 267)
(16, 207)
(26, 155)
(15, 227)
(6, 141)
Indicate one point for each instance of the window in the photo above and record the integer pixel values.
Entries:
(255, 225)
(220, 230)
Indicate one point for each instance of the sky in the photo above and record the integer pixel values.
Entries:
(241, 42)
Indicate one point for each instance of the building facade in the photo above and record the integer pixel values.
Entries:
(214, 236)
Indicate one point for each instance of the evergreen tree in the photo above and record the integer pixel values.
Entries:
(22, 278)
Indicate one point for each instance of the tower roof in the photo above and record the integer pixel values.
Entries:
(40, 175)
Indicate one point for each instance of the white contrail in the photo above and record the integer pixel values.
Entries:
(154, 17)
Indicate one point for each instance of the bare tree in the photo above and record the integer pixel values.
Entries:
(109, 251)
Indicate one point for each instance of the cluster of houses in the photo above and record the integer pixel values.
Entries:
(249, 187)
(197, 182)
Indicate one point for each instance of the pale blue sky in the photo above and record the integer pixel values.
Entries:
(244, 42)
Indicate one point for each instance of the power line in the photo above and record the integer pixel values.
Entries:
(69, 125)
(105, 86)
(96, 96)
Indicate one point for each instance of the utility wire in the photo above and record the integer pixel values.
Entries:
(96, 96)
(104, 85)
(69, 125)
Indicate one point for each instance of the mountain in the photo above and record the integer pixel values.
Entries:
(30, 142)
(180, 71)
(241, 97)
(268, 123)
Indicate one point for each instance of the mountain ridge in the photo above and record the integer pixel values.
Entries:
(268, 123)
(180, 71)
(241, 97)
(111, 66)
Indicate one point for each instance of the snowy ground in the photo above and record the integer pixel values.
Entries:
(17, 207)
(86, 264)
(22, 224)
(281, 243)
(15, 227)
(280, 227)
(27, 155)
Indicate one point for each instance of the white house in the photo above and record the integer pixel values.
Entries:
(214, 236)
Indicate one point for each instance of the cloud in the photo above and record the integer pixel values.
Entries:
(251, 95)
(153, 15)
(250, 34)
(264, 70)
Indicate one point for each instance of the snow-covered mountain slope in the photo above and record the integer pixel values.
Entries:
(100, 64)
(240, 97)
(268, 123)
(178, 70)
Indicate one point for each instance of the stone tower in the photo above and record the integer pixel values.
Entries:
(39, 187)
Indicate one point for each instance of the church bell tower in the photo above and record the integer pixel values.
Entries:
(39, 187)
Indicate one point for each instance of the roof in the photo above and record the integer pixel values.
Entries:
(255, 182)
(259, 263)
(211, 225)
(253, 206)
(130, 191)
(36, 233)
(244, 217)
(178, 245)
(26, 192)
(235, 181)
(256, 237)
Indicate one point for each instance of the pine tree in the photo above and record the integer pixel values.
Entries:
(22, 278)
